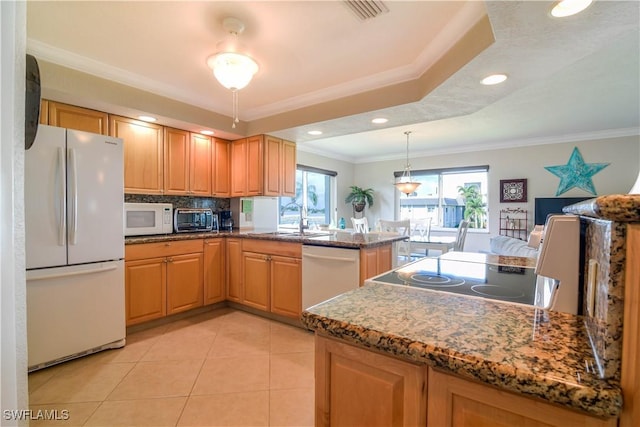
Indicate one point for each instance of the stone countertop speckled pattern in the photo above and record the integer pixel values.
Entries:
(614, 207)
(339, 239)
(526, 350)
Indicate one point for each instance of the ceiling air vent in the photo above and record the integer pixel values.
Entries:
(366, 9)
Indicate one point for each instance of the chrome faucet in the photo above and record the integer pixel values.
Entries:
(303, 221)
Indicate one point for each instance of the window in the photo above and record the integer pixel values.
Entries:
(313, 194)
(448, 196)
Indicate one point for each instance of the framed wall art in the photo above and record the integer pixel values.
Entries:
(513, 190)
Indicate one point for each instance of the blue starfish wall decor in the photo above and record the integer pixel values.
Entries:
(576, 173)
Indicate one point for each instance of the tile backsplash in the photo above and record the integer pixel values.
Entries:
(213, 203)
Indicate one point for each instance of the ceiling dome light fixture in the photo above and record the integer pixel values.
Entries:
(566, 8)
(379, 120)
(315, 132)
(494, 79)
(232, 68)
(405, 184)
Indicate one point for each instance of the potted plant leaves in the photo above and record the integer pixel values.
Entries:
(359, 198)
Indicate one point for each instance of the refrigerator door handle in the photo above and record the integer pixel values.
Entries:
(62, 228)
(72, 273)
(73, 196)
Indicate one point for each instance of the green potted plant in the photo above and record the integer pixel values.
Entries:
(360, 198)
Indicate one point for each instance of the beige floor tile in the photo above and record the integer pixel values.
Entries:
(291, 370)
(38, 378)
(170, 378)
(234, 409)
(179, 347)
(86, 383)
(237, 374)
(290, 339)
(62, 414)
(242, 322)
(291, 407)
(144, 412)
(232, 344)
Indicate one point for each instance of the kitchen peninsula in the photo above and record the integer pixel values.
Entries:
(175, 273)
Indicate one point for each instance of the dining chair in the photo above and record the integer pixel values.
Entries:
(421, 230)
(360, 225)
(402, 247)
(461, 236)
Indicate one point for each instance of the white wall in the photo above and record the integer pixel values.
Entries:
(523, 162)
(13, 332)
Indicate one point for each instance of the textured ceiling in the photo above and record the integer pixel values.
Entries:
(576, 77)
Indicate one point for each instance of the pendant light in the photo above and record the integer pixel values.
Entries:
(232, 68)
(405, 184)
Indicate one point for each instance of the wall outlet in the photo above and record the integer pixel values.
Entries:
(592, 283)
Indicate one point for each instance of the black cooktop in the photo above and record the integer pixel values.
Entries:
(499, 282)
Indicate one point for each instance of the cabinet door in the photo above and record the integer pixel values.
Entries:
(145, 291)
(286, 286)
(368, 263)
(359, 387)
(184, 282)
(272, 166)
(220, 180)
(256, 280)
(44, 112)
(143, 154)
(176, 161)
(78, 118)
(288, 169)
(456, 402)
(385, 258)
(234, 270)
(239, 168)
(200, 165)
(255, 166)
(214, 271)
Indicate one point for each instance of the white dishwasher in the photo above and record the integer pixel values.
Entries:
(327, 272)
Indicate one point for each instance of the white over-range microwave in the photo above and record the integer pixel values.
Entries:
(148, 218)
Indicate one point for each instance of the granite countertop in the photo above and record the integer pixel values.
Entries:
(615, 207)
(519, 348)
(340, 239)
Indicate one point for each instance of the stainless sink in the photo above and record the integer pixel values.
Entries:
(293, 233)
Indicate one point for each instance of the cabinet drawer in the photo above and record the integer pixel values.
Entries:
(162, 249)
(272, 247)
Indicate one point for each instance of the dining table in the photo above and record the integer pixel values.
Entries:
(438, 243)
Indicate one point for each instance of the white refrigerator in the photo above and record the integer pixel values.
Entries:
(74, 195)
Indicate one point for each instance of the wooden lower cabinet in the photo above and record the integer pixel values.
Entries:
(374, 261)
(286, 286)
(256, 280)
(145, 290)
(357, 387)
(184, 282)
(214, 271)
(456, 402)
(234, 270)
(162, 279)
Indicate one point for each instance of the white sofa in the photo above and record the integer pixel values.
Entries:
(504, 245)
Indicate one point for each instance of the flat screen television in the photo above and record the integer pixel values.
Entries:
(545, 206)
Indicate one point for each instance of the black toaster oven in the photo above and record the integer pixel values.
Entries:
(194, 219)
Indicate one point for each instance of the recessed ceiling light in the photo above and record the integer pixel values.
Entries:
(569, 7)
(147, 118)
(379, 120)
(207, 132)
(494, 79)
(315, 132)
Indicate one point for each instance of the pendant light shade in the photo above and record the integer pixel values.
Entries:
(406, 185)
(232, 68)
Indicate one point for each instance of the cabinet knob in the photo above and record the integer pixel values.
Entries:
(170, 259)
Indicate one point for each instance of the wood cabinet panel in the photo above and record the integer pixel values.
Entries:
(145, 291)
(162, 249)
(78, 118)
(44, 112)
(200, 165)
(143, 154)
(286, 286)
(273, 247)
(256, 280)
(234, 270)
(184, 282)
(272, 166)
(359, 387)
(221, 174)
(456, 402)
(239, 167)
(374, 261)
(255, 166)
(214, 271)
(288, 166)
(176, 161)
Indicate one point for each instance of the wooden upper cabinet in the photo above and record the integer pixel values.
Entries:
(78, 118)
(255, 166)
(44, 112)
(239, 168)
(279, 167)
(200, 165)
(220, 171)
(176, 161)
(143, 154)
